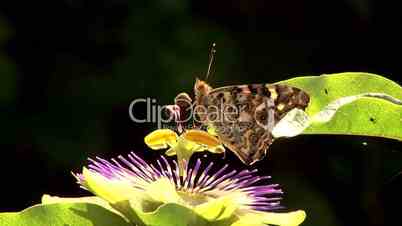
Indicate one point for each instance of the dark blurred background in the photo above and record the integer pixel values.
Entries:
(69, 69)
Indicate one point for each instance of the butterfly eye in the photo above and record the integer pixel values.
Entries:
(183, 100)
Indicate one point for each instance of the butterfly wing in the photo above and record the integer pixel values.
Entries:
(244, 116)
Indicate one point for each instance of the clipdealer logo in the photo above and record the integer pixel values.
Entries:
(154, 112)
(229, 114)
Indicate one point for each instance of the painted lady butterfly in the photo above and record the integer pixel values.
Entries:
(242, 116)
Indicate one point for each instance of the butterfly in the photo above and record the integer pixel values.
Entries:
(242, 116)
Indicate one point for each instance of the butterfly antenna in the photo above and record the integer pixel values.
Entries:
(211, 60)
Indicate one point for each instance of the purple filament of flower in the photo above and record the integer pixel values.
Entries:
(134, 169)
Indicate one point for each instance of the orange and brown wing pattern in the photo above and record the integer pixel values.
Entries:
(243, 116)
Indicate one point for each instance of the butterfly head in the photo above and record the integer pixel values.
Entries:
(183, 100)
(201, 88)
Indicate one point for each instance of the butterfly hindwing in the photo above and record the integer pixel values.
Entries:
(243, 116)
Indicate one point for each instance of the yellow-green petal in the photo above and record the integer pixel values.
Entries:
(120, 194)
(219, 209)
(163, 191)
(113, 191)
(262, 218)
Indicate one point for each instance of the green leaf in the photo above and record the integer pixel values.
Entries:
(63, 214)
(364, 104)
